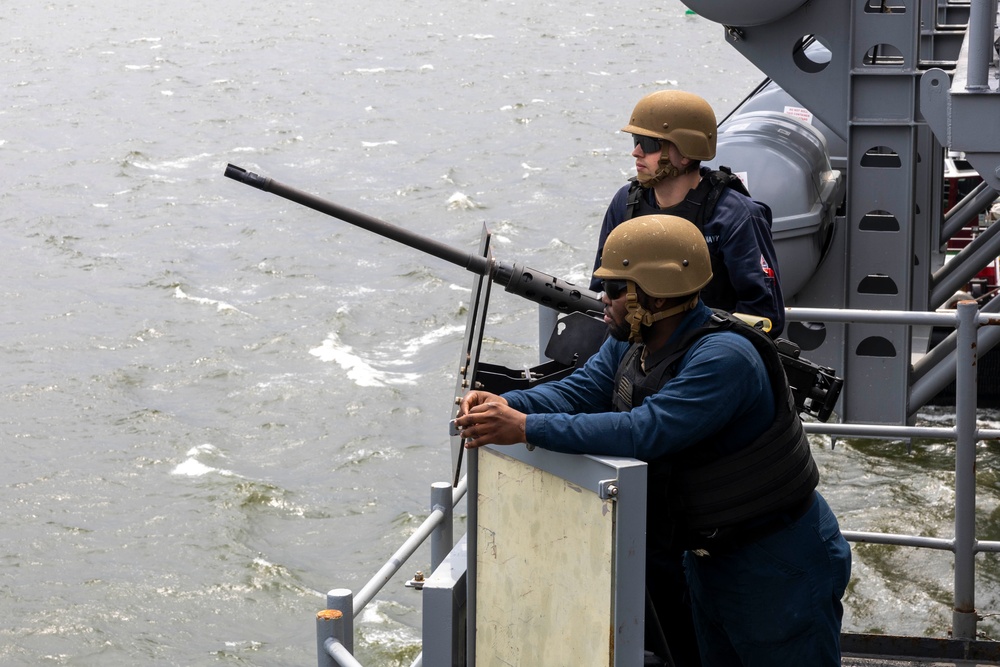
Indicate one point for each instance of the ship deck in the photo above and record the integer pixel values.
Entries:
(849, 661)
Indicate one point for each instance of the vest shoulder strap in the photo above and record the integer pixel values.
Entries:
(663, 371)
(634, 193)
(706, 196)
(716, 183)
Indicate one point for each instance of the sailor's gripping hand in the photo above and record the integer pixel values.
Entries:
(486, 419)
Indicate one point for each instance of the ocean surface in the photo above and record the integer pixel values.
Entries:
(217, 405)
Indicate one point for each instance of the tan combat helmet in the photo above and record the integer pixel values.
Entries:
(681, 118)
(665, 255)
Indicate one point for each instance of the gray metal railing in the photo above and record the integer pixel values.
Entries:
(966, 319)
(335, 624)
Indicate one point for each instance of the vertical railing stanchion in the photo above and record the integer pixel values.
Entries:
(980, 43)
(964, 613)
(327, 622)
(342, 599)
(441, 537)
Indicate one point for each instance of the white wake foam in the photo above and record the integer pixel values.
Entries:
(192, 467)
(219, 305)
(372, 371)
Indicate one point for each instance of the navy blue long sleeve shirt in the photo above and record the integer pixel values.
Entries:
(739, 233)
(721, 389)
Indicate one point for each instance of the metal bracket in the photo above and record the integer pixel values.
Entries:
(607, 489)
(417, 581)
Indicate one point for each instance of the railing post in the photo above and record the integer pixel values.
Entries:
(342, 600)
(329, 623)
(441, 537)
(980, 44)
(964, 614)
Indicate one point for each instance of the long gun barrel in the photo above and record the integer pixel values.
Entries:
(528, 283)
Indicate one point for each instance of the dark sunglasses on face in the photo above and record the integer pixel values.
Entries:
(648, 144)
(613, 288)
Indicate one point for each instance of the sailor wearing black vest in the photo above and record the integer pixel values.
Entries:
(702, 398)
(672, 132)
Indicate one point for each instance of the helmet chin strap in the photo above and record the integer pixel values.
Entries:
(638, 316)
(664, 169)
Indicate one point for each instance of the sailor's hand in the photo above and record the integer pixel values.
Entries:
(489, 421)
(474, 398)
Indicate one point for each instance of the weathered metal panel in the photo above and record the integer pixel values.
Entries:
(543, 568)
(529, 605)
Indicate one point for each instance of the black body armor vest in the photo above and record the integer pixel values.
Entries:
(698, 208)
(703, 498)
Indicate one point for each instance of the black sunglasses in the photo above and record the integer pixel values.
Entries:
(613, 288)
(648, 144)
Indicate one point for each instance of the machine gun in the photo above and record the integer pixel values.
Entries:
(577, 335)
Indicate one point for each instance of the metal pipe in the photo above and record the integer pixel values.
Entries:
(340, 655)
(987, 546)
(889, 431)
(870, 316)
(330, 651)
(441, 537)
(914, 541)
(961, 268)
(964, 202)
(460, 489)
(978, 200)
(324, 630)
(901, 540)
(937, 378)
(932, 380)
(980, 45)
(964, 614)
(423, 531)
(946, 348)
(342, 599)
(396, 561)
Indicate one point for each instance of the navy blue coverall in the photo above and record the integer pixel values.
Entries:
(773, 600)
(738, 234)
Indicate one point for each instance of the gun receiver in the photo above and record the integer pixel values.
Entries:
(530, 284)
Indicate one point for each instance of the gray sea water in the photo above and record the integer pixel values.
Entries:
(216, 405)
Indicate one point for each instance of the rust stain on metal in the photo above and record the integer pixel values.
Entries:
(329, 615)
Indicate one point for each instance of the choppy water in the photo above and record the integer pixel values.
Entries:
(217, 405)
